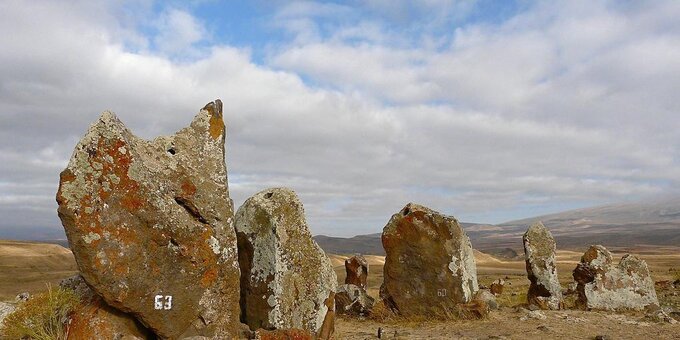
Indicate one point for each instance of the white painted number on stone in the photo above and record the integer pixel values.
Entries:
(162, 302)
(441, 292)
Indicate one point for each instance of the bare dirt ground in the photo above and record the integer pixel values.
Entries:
(506, 324)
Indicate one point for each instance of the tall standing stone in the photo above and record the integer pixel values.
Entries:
(151, 224)
(429, 265)
(539, 254)
(287, 281)
(601, 285)
(356, 268)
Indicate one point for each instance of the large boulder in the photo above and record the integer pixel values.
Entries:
(151, 224)
(287, 281)
(429, 265)
(94, 319)
(356, 268)
(602, 285)
(353, 300)
(539, 254)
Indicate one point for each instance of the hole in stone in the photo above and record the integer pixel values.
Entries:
(268, 195)
(406, 211)
(173, 242)
(171, 151)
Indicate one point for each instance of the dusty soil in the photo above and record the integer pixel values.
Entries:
(506, 324)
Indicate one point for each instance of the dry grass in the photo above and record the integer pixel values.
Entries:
(27, 267)
(43, 317)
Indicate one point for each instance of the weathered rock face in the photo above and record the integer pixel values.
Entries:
(488, 297)
(429, 264)
(601, 285)
(287, 281)
(151, 224)
(353, 300)
(94, 319)
(539, 254)
(5, 309)
(357, 271)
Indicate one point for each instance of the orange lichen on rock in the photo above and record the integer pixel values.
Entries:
(160, 208)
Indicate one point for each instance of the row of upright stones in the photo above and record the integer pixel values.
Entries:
(600, 284)
(161, 254)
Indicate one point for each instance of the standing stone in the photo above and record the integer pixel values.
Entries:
(357, 271)
(429, 264)
(601, 285)
(93, 319)
(151, 225)
(353, 300)
(287, 281)
(539, 254)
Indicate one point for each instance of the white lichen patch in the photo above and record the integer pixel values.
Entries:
(89, 238)
(214, 245)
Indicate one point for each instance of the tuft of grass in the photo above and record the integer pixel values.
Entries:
(43, 317)
(676, 274)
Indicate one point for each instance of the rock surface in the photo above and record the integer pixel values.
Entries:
(94, 319)
(539, 254)
(287, 281)
(488, 297)
(5, 309)
(356, 268)
(150, 224)
(353, 300)
(601, 285)
(429, 264)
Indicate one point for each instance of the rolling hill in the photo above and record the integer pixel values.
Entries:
(654, 223)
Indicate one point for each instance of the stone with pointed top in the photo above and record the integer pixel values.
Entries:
(429, 264)
(356, 268)
(287, 281)
(150, 224)
(539, 253)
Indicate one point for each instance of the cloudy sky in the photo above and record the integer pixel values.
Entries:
(485, 110)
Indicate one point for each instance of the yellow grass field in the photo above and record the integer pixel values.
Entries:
(30, 266)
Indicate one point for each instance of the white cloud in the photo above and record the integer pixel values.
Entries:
(563, 104)
(178, 32)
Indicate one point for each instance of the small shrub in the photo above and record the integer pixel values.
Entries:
(676, 274)
(43, 317)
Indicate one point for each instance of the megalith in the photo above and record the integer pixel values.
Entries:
(429, 264)
(150, 224)
(602, 285)
(539, 253)
(356, 268)
(287, 281)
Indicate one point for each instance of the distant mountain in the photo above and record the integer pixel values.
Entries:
(620, 225)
